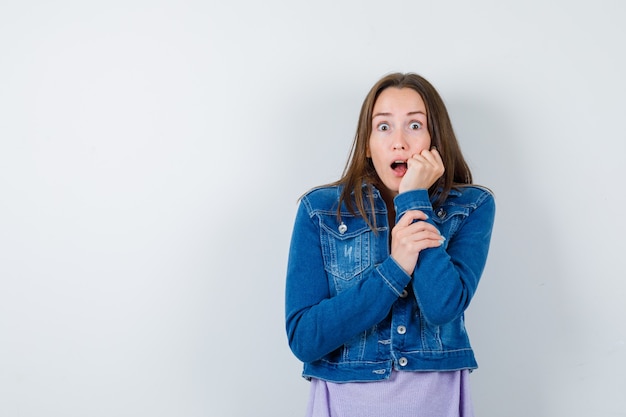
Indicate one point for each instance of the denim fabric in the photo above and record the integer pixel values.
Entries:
(353, 314)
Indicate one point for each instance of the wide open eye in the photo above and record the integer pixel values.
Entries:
(415, 125)
(383, 127)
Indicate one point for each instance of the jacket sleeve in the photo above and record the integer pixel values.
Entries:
(445, 278)
(317, 323)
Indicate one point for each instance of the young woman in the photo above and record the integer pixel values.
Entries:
(384, 262)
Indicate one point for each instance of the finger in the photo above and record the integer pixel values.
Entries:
(407, 249)
(418, 157)
(423, 227)
(438, 158)
(427, 159)
(431, 156)
(433, 164)
(436, 153)
(416, 232)
(420, 230)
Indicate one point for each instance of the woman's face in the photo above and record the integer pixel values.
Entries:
(399, 131)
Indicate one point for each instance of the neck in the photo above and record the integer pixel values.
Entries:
(391, 210)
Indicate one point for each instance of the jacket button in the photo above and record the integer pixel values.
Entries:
(403, 361)
(401, 329)
(404, 294)
(441, 213)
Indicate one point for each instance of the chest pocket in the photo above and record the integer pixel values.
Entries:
(346, 248)
(450, 218)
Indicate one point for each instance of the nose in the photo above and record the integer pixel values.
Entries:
(399, 142)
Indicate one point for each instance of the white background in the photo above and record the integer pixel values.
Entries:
(151, 158)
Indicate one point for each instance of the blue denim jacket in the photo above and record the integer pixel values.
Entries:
(353, 314)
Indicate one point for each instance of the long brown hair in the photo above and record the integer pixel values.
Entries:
(359, 170)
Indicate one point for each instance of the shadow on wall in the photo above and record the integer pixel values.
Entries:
(516, 316)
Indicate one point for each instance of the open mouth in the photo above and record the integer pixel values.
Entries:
(399, 167)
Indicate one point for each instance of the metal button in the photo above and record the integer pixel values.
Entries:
(441, 213)
(404, 294)
(343, 228)
(401, 329)
(403, 361)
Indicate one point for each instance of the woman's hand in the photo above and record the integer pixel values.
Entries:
(423, 170)
(410, 236)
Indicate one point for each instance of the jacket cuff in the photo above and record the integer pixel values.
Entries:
(393, 275)
(412, 200)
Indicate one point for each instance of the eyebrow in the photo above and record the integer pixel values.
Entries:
(411, 113)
